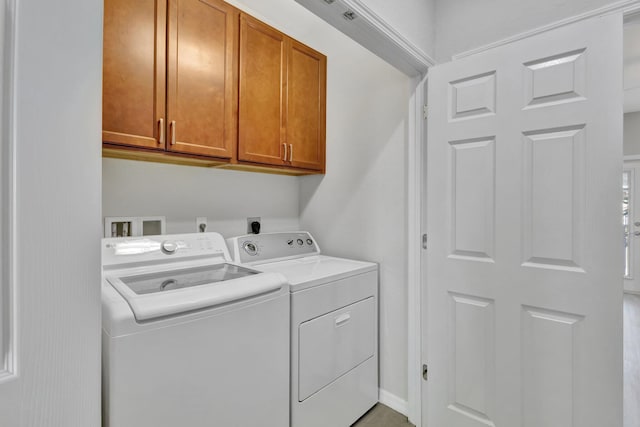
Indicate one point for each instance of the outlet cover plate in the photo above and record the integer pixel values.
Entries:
(201, 220)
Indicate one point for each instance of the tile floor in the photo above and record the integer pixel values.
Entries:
(631, 360)
(382, 416)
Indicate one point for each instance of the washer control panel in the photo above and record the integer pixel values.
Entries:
(269, 246)
(124, 250)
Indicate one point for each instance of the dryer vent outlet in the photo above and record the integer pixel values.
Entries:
(253, 225)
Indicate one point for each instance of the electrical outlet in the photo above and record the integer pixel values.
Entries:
(250, 220)
(201, 224)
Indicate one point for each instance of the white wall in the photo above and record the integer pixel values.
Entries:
(181, 193)
(462, 25)
(631, 134)
(414, 19)
(57, 258)
(356, 210)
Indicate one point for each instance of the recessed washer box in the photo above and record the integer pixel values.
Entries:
(131, 226)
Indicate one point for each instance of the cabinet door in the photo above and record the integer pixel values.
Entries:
(305, 106)
(261, 119)
(202, 77)
(133, 101)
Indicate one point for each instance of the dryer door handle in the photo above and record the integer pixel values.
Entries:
(342, 319)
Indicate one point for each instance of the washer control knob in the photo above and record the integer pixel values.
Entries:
(300, 242)
(290, 242)
(169, 247)
(250, 248)
(309, 242)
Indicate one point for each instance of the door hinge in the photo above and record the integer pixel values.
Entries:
(425, 111)
(424, 241)
(425, 371)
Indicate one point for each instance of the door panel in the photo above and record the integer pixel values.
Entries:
(549, 366)
(133, 101)
(523, 312)
(473, 210)
(472, 388)
(306, 100)
(202, 77)
(262, 80)
(553, 159)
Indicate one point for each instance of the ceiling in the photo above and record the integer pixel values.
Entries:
(632, 66)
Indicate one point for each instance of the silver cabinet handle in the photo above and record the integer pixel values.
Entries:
(173, 132)
(161, 131)
(636, 233)
(637, 223)
(291, 152)
(285, 152)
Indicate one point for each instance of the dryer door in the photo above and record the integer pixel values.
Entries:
(333, 344)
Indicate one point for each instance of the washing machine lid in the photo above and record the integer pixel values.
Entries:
(307, 272)
(152, 294)
(165, 275)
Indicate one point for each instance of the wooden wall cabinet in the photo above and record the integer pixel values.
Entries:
(189, 48)
(198, 82)
(202, 77)
(305, 106)
(133, 79)
(282, 99)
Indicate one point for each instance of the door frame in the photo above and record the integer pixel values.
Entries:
(8, 289)
(632, 162)
(416, 209)
(416, 175)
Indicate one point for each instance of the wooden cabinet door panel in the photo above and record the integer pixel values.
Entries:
(261, 119)
(133, 101)
(306, 101)
(202, 77)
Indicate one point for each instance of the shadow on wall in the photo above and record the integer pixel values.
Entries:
(364, 190)
(366, 135)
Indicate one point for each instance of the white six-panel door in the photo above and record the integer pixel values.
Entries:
(524, 286)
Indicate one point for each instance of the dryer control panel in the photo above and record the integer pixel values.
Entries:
(269, 247)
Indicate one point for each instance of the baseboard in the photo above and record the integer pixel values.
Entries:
(393, 402)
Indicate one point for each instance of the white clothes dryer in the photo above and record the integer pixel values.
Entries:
(334, 326)
(190, 339)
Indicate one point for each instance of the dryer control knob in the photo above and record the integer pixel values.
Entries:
(250, 248)
(169, 247)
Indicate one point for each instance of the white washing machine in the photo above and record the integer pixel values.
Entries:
(334, 326)
(190, 339)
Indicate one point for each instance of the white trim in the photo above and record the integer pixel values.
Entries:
(9, 307)
(631, 158)
(626, 6)
(392, 401)
(374, 33)
(414, 252)
(390, 33)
